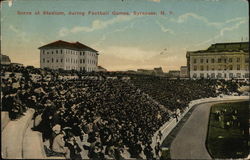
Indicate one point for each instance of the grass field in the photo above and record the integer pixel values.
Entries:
(228, 130)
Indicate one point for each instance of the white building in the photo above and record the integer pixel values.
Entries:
(68, 56)
(220, 61)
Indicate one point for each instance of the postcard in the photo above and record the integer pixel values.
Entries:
(124, 79)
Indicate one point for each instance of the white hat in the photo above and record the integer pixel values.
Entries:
(57, 128)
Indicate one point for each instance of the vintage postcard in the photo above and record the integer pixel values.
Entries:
(124, 79)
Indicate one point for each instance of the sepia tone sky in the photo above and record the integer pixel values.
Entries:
(124, 42)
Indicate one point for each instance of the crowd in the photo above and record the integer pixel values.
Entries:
(103, 116)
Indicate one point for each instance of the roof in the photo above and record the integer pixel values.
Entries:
(227, 47)
(70, 45)
(5, 58)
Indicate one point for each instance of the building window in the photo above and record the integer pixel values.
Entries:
(43, 60)
(212, 75)
(202, 68)
(238, 59)
(230, 59)
(219, 75)
(246, 75)
(238, 75)
(56, 60)
(238, 67)
(52, 60)
(195, 68)
(246, 60)
(61, 60)
(47, 61)
(47, 52)
(201, 60)
(219, 60)
(230, 67)
(231, 75)
(56, 51)
(207, 68)
(212, 60)
(207, 60)
(61, 51)
(194, 75)
(81, 61)
(225, 60)
(52, 52)
(194, 60)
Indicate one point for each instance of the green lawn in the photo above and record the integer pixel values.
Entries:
(228, 130)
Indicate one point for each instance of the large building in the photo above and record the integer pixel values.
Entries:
(5, 60)
(68, 56)
(220, 61)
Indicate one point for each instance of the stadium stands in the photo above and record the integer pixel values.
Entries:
(99, 114)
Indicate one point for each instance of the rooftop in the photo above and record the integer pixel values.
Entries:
(69, 45)
(227, 47)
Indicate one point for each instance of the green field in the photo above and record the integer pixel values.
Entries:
(228, 130)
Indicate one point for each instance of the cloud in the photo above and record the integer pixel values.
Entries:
(225, 29)
(106, 34)
(163, 29)
(19, 33)
(183, 18)
(96, 25)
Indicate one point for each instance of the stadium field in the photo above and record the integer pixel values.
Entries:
(228, 130)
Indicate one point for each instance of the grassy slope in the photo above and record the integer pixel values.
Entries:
(229, 142)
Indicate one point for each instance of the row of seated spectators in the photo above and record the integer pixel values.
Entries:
(105, 117)
(175, 94)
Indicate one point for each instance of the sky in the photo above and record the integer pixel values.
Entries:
(124, 42)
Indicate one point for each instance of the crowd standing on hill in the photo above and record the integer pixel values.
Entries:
(102, 115)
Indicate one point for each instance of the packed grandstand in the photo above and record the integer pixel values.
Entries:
(103, 113)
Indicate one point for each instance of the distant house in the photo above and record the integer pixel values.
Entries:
(16, 64)
(68, 56)
(5, 60)
(155, 71)
(174, 73)
(101, 69)
(183, 72)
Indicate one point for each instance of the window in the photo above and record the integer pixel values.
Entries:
(238, 59)
(52, 60)
(246, 60)
(238, 75)
(56, 51)
(56, 60)
(47, 52)
(47, 61)
(80, 60)
(246, 75)
(238, 67)
(219, 60)
(207, 68)
(231, 75)
(225, 60)
(195, 68)
(201, 60)
(230, 67)
(212, 60)
(219, 75)
(43, 60)
(202, 68)
(194, 60)
(207, 60)
(61, 51)
(52, 52)
(80, 53)
(212, 75)
(230, 59)
(61, 60)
